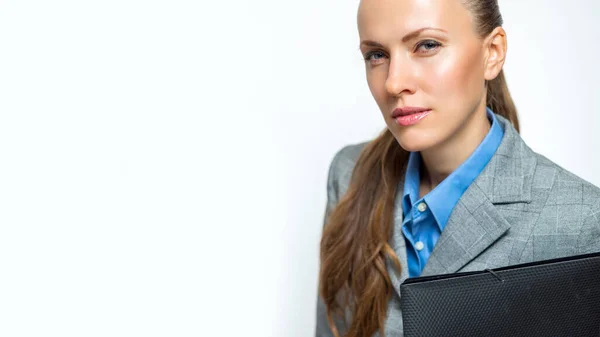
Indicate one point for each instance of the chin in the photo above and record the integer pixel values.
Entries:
(414, 143)
(412, 147)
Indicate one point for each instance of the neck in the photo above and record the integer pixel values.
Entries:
(440, 161)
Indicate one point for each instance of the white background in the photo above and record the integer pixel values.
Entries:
(163, 163)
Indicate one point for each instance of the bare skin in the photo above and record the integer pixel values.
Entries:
(427, 53)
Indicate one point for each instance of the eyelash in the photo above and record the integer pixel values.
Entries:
(429, 42)
(433, 43)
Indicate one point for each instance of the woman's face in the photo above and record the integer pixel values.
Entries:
(423, 54)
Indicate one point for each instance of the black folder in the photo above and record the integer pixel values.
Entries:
(558, 297)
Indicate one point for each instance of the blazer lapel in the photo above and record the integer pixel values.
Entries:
(473, 226)
(475, 223)
(397, 242)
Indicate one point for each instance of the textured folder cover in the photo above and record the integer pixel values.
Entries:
(559, 297)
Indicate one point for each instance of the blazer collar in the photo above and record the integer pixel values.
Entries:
(475, 223)
(508, 176)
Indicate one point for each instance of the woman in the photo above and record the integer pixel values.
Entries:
(449, 186)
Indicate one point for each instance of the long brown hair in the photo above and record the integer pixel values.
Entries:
(354, 246)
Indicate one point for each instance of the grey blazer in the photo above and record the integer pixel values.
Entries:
(521, 208)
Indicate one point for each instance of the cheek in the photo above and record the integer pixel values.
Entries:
(454, 77)
(376, 81)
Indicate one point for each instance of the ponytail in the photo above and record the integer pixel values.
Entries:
(500, 101)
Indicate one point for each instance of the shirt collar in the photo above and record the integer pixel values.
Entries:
(442, 199)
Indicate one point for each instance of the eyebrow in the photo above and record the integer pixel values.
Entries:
(407, 37)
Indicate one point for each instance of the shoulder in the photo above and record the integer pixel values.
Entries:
(564, 184)
(346, 157)
(573, 199)
(552, 185)
(341, 167)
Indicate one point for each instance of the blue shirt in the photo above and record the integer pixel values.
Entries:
(425, 218)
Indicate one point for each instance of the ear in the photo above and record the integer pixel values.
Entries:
(495, 49)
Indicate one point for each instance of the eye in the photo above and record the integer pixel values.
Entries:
(374, 56)
(427, 46)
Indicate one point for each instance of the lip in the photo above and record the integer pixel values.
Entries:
(410, 115)
(407, 110)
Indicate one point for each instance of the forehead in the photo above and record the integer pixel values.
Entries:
(380, 19)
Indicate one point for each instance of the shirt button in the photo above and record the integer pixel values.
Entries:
(422, 207)
(419, 245)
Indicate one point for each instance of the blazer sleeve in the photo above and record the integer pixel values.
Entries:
(589, 237)
(322, 325)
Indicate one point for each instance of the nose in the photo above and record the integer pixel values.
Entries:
(400, 80)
